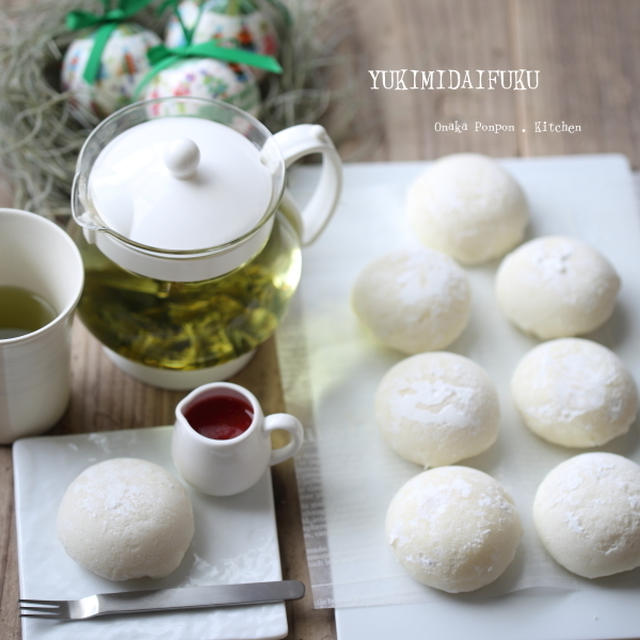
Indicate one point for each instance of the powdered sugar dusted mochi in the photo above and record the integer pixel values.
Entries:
(413, 300)
(587, 514)
(574, 392)
(437, 408)
(453, 528)
(556, 286)
(468, 206)
(126, 518)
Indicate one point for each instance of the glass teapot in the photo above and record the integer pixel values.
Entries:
(191, 244)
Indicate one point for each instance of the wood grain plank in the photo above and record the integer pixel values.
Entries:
(104, 398)
(8, 555)
(305, 622)
(440, 34)
(588, 54)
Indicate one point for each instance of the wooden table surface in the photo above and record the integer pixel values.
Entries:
(588, 54)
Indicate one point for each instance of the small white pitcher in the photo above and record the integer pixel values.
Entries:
(226, 467)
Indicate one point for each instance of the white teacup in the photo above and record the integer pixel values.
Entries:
(37, 255)
(223, 467)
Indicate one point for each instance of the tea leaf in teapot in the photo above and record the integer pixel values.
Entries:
(189, 325)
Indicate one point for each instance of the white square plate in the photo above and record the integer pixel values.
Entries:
(235, 541)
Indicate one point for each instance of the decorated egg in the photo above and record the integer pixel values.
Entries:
(237, 24)
(123, 64)
(207, 78)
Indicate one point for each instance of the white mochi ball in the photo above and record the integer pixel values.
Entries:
(574, 392)
(555, 286)
(453, 528)
(126, 518)
(587, 514)
(413, 300)
(468, 206)
(437, 408)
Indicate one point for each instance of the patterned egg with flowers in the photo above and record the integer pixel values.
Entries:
(206, 78)
(123, 63)
(235, 23)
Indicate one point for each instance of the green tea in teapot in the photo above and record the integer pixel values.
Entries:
(22, 312)
(190, 325)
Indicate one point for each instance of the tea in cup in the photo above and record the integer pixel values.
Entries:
(22, 311)
(41, 279)
(221, 440)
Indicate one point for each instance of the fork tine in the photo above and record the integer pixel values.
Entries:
(27, 601)
(40, 608)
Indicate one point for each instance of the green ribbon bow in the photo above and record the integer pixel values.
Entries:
(107, 23)
(162, 57)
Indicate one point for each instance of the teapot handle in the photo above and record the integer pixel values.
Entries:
(301, 140)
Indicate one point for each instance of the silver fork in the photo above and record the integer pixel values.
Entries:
(223, 595)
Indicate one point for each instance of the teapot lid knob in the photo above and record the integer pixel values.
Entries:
(182, 157)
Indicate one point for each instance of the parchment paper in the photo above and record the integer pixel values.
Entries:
(331, 369)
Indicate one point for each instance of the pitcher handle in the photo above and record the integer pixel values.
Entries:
(296, 432)
(301, 140)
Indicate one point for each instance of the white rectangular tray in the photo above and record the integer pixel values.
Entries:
(235, 541)
(589, 197)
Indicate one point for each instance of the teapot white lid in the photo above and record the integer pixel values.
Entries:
(180, 183)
